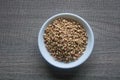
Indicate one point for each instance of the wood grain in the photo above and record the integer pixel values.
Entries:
(20, 22)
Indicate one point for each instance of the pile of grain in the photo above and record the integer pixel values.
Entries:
(65, 39)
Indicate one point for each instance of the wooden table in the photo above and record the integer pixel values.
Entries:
(21, 20)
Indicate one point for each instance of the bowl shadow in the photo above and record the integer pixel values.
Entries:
(59, 73)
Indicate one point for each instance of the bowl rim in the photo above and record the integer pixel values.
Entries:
(51, 19)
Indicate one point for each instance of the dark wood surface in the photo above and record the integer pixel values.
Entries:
(20, 22)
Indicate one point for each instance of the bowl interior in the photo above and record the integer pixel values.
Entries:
(81, 59)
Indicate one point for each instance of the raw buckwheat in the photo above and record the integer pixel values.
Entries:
(65, 39)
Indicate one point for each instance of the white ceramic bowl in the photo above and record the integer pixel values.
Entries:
(46, 55)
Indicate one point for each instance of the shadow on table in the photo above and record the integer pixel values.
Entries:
(62, 73)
